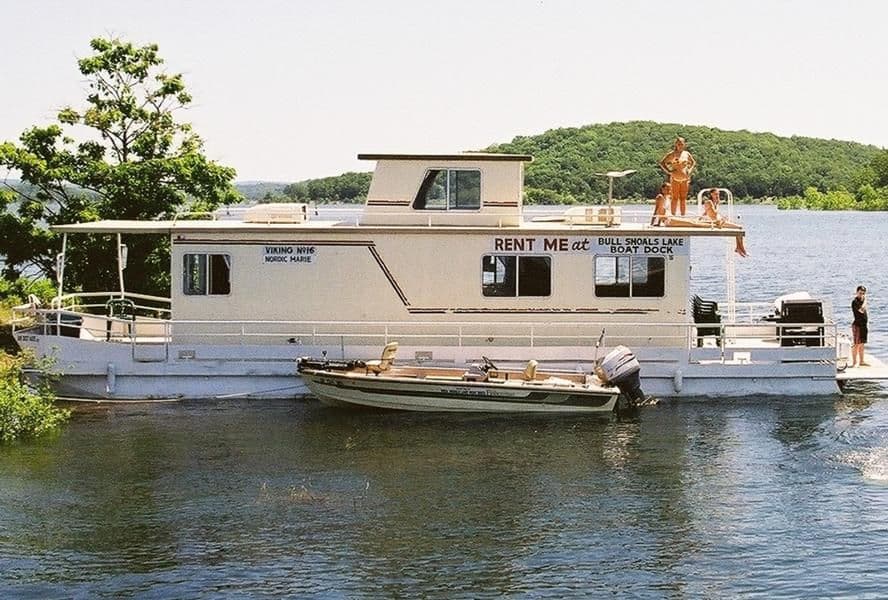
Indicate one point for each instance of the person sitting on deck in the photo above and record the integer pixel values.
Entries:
(660, 216)
(710, 213)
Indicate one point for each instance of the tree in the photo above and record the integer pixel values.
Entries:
(26, 411)
(750, 164)
(349, 187)
(566, 163)
(133, 161)
(879, 165)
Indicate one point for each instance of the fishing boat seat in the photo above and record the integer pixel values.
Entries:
(475, 373)
(385, 361)
(530, 370)
(705, 312)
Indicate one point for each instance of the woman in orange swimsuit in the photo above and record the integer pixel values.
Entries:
(679, 164)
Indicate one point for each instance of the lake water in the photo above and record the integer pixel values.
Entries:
(767, 497)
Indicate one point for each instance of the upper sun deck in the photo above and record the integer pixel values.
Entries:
(627, 224)
(440, 192)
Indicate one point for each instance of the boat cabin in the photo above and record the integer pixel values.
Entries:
(442, 238)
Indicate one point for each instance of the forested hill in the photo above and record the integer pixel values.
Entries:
(755, 165)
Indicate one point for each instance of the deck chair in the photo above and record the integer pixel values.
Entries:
(706, 313)
(530, 370)
(385, 361)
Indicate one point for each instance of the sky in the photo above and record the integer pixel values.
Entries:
(291, 90)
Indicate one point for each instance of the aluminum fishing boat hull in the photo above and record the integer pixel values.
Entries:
(445, 394)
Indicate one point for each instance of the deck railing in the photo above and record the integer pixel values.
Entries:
(600, 215)
(93, 302)
(146, 326)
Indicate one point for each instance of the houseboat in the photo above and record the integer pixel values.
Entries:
(442, 259)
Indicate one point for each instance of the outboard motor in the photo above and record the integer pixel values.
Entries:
(621, 368)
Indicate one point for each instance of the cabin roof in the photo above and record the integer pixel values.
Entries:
(472, 156)
(111, 226)
(528, 227)
(148, 227)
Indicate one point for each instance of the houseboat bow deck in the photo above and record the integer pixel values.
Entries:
(443, 260)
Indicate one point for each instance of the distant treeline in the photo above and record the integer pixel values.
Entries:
(752, 165)
(348, 187)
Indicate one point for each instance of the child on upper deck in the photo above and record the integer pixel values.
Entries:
(710, 213)
(660, 216)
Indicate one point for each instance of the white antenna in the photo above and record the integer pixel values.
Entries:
(611, 175)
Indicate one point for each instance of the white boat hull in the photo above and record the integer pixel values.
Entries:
(99, 370)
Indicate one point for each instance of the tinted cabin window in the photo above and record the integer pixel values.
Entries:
(465, 190)
(220, 274)
(449, 189)
(534, 276)
(195, 277)
(648, 277)
(625, 276)
(498, 275)
(432, 192)
(206, 274)
(505, 276)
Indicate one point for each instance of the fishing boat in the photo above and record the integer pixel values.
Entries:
(480, 388)
(443, 259)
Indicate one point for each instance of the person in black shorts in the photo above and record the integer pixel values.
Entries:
(859, 327)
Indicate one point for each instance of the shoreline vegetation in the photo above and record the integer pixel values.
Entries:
(790, 172)
(867, 198)
(26, 411)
